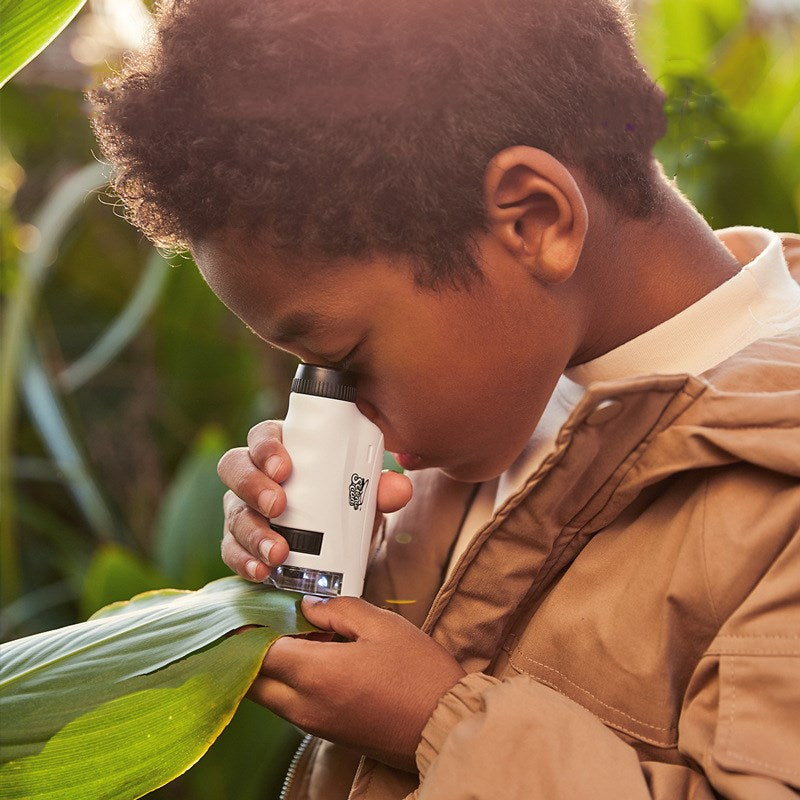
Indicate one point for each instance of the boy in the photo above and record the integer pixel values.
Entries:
(597, 397)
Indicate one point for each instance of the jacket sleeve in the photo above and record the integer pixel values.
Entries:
(518, 738)
(739, 729)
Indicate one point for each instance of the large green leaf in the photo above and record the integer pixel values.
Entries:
(28, 27)
(119, 705)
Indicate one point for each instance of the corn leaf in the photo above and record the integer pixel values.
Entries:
(28, 27)
(121, 704)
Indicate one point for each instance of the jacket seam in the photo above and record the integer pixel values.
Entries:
(729, 751)
(729, 735)
(638, 735)
(714, 653)
(706, 576)
(365, 772)
(512, 658)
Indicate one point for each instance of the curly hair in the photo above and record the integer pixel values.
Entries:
(349, 127)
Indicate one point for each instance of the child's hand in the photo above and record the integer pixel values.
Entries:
(373, 693)
(254, 474)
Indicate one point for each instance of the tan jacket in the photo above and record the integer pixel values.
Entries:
(630, 619)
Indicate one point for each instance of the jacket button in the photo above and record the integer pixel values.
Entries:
(604, 411)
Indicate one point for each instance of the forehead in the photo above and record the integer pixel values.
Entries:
(282, 298)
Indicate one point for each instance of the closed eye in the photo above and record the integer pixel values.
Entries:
(346, 362)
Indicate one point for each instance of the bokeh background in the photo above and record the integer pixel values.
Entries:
(124, 379)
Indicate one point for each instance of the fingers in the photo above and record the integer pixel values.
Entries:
(240, 474)
(299, 663)
(249, 545)
(288, 670)
(350, 617)
(285, 699)
(253, 474)
(394, 491)
(265, 443)
(275, 695)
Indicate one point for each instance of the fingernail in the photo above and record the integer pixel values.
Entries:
(266, 500)
(251, 567)
(274, 463)
(312, 600)
(264, 548)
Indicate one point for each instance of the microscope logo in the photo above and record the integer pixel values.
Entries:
(358, 488)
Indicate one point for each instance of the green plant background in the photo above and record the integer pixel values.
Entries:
(133, 379)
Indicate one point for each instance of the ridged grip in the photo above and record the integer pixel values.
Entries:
(324, 382)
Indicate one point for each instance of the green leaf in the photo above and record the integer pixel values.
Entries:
(56, 429)
(188, 530)
(129, 322)
(114, 574)
(28, 27)
(52, 221)
(140, 741)
(116, 706)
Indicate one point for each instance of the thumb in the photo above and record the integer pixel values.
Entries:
(394, 491)
(350, 617)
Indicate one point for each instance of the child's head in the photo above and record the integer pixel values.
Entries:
(349, 127)
(403, 181)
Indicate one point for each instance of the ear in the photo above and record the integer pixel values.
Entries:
(537, 211)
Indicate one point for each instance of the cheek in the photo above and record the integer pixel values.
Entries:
(408, 411)
(440, 403)
(429, 419)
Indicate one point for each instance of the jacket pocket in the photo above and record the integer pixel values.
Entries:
(758, 728)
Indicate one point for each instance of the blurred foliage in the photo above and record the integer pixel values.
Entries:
(133, 379)
(731, 73)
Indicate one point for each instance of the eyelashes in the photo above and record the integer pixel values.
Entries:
(344, 363)
(347, 361)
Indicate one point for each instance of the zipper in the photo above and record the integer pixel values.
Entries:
(296, 758)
